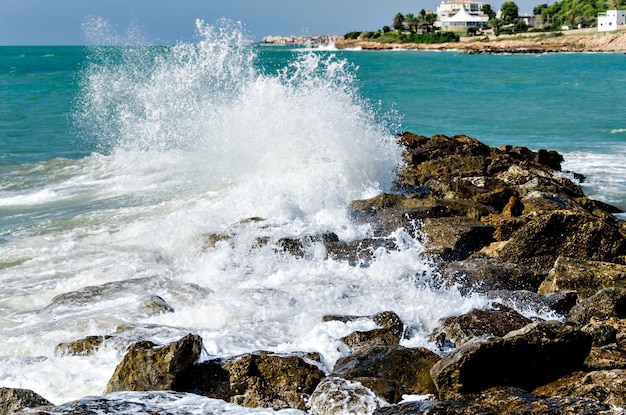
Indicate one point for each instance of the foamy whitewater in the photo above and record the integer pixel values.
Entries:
(195, 140)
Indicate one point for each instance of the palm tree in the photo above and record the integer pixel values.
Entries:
(412, 22)
(398, 22)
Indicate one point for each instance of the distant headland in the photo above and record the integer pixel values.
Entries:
(311, 41)
(577, 40)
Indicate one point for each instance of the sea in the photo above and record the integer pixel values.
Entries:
(136, 183)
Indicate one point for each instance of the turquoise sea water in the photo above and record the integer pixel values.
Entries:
(568, 102)
(116, 163)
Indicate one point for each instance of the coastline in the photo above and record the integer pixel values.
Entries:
(577, 40)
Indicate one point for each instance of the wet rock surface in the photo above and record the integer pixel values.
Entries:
(13, 400)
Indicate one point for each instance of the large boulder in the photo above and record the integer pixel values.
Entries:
(526, 358)
(389, 371)
(476, 323)
(149, 367)
(455, 238)
(606, 386)
(583, 276)
(479, 274)
(270, 380)
(503, 401)
(337, 396)
(606, 303)
(607, 357)
(565, 233)
(13, 400)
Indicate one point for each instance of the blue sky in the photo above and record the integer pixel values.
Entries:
(60, 22)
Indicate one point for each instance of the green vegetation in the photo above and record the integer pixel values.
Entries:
(574, 12)
(420, 28)
(404, 37)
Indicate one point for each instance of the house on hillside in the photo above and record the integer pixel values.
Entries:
(460, 15)
(610, 19)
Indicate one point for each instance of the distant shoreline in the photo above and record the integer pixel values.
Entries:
(578, 40)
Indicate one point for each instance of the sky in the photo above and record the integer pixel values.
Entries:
(66, 22)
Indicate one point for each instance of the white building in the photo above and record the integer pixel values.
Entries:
(610, 19)
(460, 15)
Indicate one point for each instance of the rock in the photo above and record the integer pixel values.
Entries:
(385, 319)
(146, 304)
(606, 303)
(455, 238)
(505, 226)
(153, 403)
(154, 304)
(559, 303)
(209, 378)
(82, 347)
(365, 339)
(605, 330)
(337, 396)
(502, 401)
(606, 386)
(389, 371)
(147, 367)
(564, 233)
(477, 274)
(513, 207)
(270, 380)
(606, 357)
(583, 276)
(389, 334)
(388, 212)
(526, 358)
(476, 323)
(12, 400)
(389, 320)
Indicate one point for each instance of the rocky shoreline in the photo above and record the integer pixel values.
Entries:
(505, 222)
(580, 40)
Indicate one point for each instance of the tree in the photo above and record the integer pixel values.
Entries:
(429, 20)
(539, 8)
(510, 11)
(398, 22)
(488, 11)
(412, 22)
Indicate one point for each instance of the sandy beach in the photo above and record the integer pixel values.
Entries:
(578, 40)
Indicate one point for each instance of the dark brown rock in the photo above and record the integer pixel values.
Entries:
(270, 380)
(148, 367)
(502, 401)
(478, 274)
(208, 378)
(526, 358)
(455, 238)
(476, 323)
(365, 339)
(606, 303)
(606, 357)
(82, 347)
(389, 372)
(583, 276)
(505, 226)
(13, 400)
(389, 320)
(565, 233)
(605, 386)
